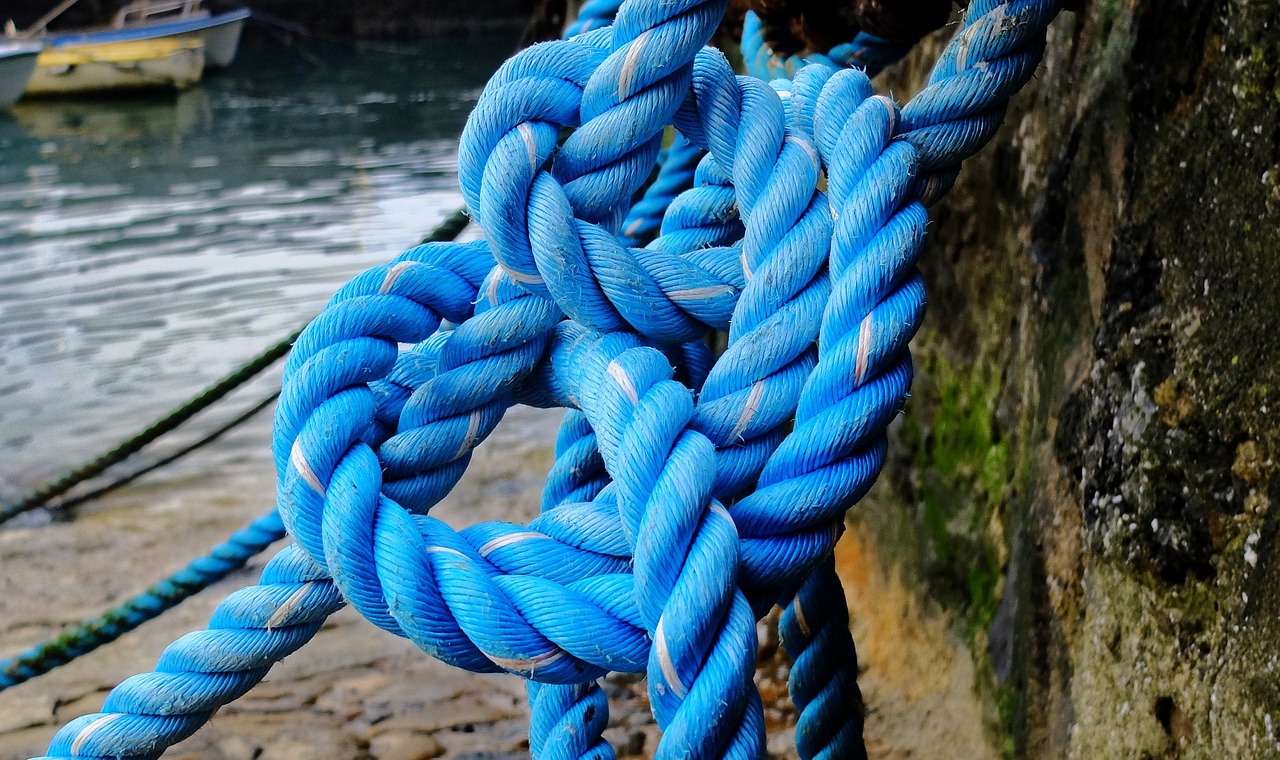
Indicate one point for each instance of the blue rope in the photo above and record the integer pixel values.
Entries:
(830, 719)
(566, 722)
(198, 575)
(676, 163)
(593, 14)
(250, 630)
(676, 168)
(814, 629)
(653, 572)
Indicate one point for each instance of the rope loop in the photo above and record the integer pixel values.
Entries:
(689, 496)
(552, 220)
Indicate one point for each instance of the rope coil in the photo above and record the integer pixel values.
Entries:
(690, 496)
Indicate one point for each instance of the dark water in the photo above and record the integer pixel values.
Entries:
(148, 247)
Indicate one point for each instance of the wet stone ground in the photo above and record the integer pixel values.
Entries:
(353, 692)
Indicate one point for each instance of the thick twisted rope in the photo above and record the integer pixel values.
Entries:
(566, 722)
(528, 134)
(969, 88)
(575, 470)
(250, 630)
(568, 559)
(830, 720)
(676, 162)
(546, 228)
(766, 111)
(861, 357)
(823, 684)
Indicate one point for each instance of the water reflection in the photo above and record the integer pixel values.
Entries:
(104, 122)
(149, 246)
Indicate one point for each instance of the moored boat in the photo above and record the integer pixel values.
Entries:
(150, 44)
(220, 32)
(17, 62)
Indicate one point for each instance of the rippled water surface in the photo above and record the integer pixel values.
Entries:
(149, 247)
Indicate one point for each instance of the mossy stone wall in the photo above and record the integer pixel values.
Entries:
(1078, 513)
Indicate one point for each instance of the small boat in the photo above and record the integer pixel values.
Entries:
(220, 32)
(150, 44)
(17, 62)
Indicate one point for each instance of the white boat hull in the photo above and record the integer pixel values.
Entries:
(166, 63)
(15, 71)
(220, 32)
(221, 43)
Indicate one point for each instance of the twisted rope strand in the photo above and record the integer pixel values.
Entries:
(814, 629)
(257, 625)
(969, 88)
(676, 163)
(566, 722)
(198, 575)
(851, 149)
(871, 467)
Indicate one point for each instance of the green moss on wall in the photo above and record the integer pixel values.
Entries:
(1084, 479)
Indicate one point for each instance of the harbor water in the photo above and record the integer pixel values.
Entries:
(149, 246)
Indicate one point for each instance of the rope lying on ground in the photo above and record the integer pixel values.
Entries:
(653, 572)
(201, 573)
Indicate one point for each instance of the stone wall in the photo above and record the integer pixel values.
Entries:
(1074, 545)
